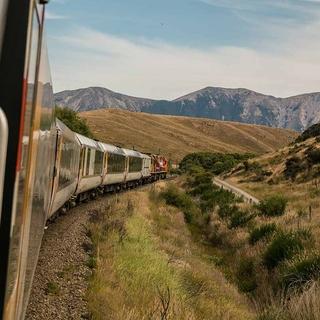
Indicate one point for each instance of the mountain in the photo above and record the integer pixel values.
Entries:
(242, 105)
(178, 136)
(97, 98)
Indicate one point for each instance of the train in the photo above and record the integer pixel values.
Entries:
(45, 167)
(85, 168)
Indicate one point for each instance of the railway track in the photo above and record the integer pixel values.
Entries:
(247, 197)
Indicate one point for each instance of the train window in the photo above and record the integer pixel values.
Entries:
(68, 160)
(116, 163)
(98, 162)
(87, 170)
(135, 164)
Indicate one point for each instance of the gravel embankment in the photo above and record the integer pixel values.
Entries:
(61, 278)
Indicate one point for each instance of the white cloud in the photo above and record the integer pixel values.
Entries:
(159, 70)
(52, 16)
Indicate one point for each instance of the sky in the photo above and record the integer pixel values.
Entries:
(163, 49)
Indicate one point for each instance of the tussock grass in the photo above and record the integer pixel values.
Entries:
(292, 306)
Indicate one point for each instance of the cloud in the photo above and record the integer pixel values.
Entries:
(160, 70)
(53, 16)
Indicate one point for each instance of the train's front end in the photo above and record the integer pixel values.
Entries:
(26, 148)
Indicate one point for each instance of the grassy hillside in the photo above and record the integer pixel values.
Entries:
(269, 250)
(294, 172)
(178, 136)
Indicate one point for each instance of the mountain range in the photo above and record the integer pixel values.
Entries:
(241, 105)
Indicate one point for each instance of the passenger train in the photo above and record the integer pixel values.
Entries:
(45, 168)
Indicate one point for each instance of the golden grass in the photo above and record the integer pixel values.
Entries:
(300, 306)
(150, 267)
(179, 136)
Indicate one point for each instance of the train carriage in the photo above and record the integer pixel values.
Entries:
(66, 168)
(134, 167)
(146, 167)
(26, 99)
(91, 168)
(114, 167)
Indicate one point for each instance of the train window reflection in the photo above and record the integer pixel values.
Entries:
(22, 214)
(116, 163)
(98, 162)
(135, 164)
(68, 161)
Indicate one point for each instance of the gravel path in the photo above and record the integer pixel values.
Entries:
(61, 278)
(239, 192)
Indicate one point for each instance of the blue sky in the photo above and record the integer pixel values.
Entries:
(164, 49)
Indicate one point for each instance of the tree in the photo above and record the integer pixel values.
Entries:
(71, 119)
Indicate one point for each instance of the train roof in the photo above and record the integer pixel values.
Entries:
(133, 153)
(66, 131)
(85, 141)
(111, 148)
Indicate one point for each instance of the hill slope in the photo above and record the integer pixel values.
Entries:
(178, 136)
(240, 105)
(292, 172)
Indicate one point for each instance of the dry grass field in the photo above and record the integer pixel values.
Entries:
(149, 266)
(179, 136)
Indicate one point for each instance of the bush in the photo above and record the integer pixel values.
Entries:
(71, 119)
(173, 196)
(302, 270)
(272, 206)
(262, 232)
(294, 166)
(252, 166)
(215, 163)
(313, 131)
(314, 156)
(240, 218)
(226, 211)
(201, 189)
(284, 246)
(246, 276)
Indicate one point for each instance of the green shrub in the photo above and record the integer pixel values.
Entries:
(201, 189)
(202, 178)
(215, 163)
(246, 275)
(262, 232)
(173, 196)
(272, 206)
(314, 156)
(313, 131)
(284, 246)
(239, 219)
(294, 166)
(252, 166)
(302, 270)
(71, 119)
(226, 211)
(207, 206)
